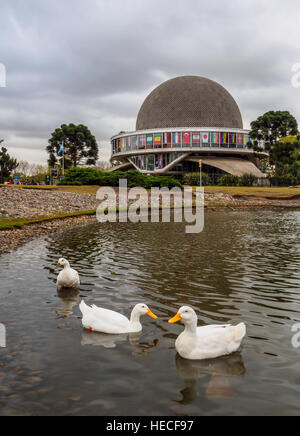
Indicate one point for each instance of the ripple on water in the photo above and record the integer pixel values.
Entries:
(243, 266)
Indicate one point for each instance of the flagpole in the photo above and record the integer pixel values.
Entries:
(63, 158)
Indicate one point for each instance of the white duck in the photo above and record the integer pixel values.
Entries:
(103, 320)
(206, 342)
(68, 277)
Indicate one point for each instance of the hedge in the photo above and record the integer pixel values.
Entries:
(91, 176)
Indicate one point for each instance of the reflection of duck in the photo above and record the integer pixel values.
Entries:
(206, 342)
(219, 370)
(110, 341)
(68, 277)
(101, 339)
(69, 297)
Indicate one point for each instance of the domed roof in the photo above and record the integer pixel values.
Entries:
(189, 101)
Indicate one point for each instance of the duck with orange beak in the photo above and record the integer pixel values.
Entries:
(208, 342)
(103, 320)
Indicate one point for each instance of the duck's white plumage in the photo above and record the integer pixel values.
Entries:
(108, 321)
(206, 342)
(68, 277)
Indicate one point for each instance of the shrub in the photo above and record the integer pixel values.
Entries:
(247, 179)
(284, 181)
(91, 176)
(228, 180)
(193, 179)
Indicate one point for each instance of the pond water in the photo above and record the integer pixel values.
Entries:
(244, 266)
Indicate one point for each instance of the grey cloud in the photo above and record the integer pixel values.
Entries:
(94, 62)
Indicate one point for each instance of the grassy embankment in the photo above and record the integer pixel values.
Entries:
(273, 192)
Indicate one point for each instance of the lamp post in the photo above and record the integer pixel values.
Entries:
(200, 167)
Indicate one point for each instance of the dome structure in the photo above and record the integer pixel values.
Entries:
(183, 121)
(189, 101)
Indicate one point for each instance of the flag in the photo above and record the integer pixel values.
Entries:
(149, 139)
(157, 138)
(214, 137)
(231, 137)
(176, 138)
(167, 138)
(160, 161)
(61, 149)
(134, 141)
(142, 140)
(205, 137)
(186, 137)
(239, 138)
(223, 137)
(246, 139)
(196, 138)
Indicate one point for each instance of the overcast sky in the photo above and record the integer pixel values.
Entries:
(95, 61)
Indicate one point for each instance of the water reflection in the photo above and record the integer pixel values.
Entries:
(220, 371)
(244, 266)
(70, 298)
(111, 341)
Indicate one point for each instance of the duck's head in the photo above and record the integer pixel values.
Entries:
(185, 314)
(143, 309)
(62, 263)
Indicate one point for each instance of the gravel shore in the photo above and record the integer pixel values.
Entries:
(12, 238)
(28, 203)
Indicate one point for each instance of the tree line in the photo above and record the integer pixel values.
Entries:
(74, 145)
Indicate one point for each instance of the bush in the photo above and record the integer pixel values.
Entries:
(91, 176)
(230, 180)
(284, 181)
(247, 180)
(193, 179)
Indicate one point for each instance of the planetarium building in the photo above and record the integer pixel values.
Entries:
(183, 120)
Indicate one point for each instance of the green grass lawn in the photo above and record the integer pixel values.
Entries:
(6, 224)
(276, 192)
(273, 192)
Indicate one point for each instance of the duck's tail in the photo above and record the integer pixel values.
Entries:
(239, 331)
(84, 308)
